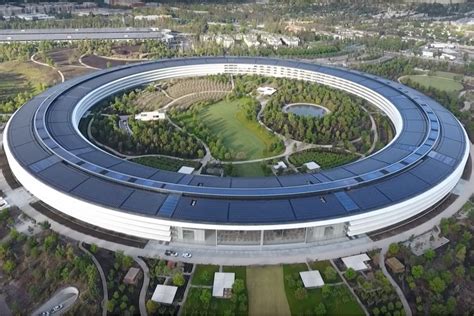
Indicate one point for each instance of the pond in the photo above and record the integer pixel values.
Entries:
(305, 109)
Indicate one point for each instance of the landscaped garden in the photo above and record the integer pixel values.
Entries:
(324, 158)
(328, 300)
(230, 129)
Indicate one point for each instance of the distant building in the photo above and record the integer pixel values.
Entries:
(427, 53)
(132, 276)
(33, 17)
(447, 56)
(271, 39)
(150, 116)
(225, 40)
(266, 90)
(124, 3)
(291, 41)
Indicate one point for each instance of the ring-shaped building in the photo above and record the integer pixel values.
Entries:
(52, 159)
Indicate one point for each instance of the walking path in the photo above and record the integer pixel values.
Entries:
(32, 58)
(399, 291)
(86, 65)
(144, 289)
(350, 288)
(102, 278)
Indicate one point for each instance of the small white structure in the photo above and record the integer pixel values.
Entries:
(427, 53)
(291, 41)
(447, 56)
(164, 294)
(311, 279)
(266, 90)
(312, 166)
(280, 165)
(223, 282)
(186, 170)
(356, 262)
(251, 40)
(150, 116)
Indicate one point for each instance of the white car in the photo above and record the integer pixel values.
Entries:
(3, 204)
(186, 255)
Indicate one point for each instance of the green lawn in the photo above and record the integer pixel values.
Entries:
(217, 306)
(17, 76)
(338, 302)
(324, 158)
(165, 163)
(240, 271)
(443, 81)
(238, 134)
(204, 274)
(321, 266)
(266, 291)
(251, 169)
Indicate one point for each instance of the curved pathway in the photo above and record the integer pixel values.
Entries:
(144, 289)
(374, 130)
(86, 65)
(102, 278)
(399, 291)
(32, 58)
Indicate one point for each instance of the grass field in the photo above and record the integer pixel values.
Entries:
(165, 163)
(266, 291)
(339, 302)
(17, 76)
(251, 169)
(225, 118)
(204, 274)
(321, 266)
(323, 158)
(444, 81)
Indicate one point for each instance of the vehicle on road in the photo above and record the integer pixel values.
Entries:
(171, 253)
(186, 255)
(57, 308)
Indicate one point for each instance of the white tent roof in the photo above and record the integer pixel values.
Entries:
(186, 170)
(312, 279)
(164, 294)
(356, 262)
(222, 280)
(312, 165)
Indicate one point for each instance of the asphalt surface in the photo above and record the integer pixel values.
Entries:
(64, 299)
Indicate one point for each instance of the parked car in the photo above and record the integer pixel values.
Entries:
(171, 253)
(186, 255)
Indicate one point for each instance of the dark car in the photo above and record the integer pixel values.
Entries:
(171, 253)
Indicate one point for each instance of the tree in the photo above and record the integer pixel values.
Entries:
(393, 249)
(178, 279)
(93, 248)
(205, 297)
(320, 309)
(152, 306)
(326, 291)
(430, 254)
(417, 271)
(301, 293)
(461, 253)
(9, 266)
(110, 305)
(330, 274)
(238, 286)
(350, 274)
(437, 285)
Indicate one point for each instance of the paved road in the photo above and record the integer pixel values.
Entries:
(399, 291)
(102, 279)
(65, 298)
(144, 289)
